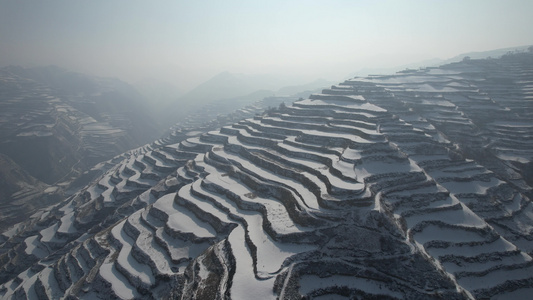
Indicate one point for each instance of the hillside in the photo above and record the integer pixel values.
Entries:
(20, 193)
(55, 123)
(415, 185)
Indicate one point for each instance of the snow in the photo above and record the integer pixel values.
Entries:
(347, 136)
(126, 260)
(158, 161)
(496, 277)
(51, 189)
(67, 223)
(48, 234)
(309, 283)
(432, 89)
(146, 244)
(475, 186)
(346, 168)
(245, 285)
(181, 219)
(35, 133)
(443, 103)
(270, 254)
(293, 148)
(100, 128)
(335, 181)
(460, 171)
(331, 297)
(432, 189)
(50, 284)
(371, 132)
(180, 249)
(34, 247)
(480, 266)
(306, 196)
(185, 222)
(120, 285)
(203, 272)
(352, 154)
(193, 133)
(339, 104)
(435, 71)
(369, 168)
(12, 231)
(28, 285)
(499, 245)
(508, 156)
(521, 293)
(514, 205)
(456, 235)
(463, 217)
(513, 124)
(276, 212)
(202, 204)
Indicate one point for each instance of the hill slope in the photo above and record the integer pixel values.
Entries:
(408, 186)
(55, 123)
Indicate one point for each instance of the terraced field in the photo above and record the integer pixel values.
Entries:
(385, 187)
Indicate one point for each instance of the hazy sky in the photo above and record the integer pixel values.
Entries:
(191, 41)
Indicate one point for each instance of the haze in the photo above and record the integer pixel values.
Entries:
(188, 42)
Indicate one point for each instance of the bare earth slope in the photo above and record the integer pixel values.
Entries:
(410, 186)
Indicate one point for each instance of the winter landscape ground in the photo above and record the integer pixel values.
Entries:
(415, 185)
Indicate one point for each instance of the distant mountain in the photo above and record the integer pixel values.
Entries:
(497, 53)
(56, 124)
(157, 92)
(229, 85)
(235, 90)
(392, 70)
(302, 88)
